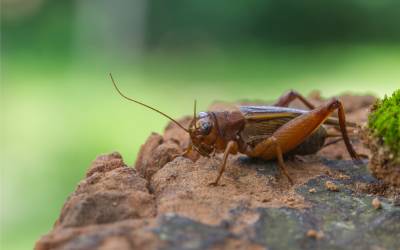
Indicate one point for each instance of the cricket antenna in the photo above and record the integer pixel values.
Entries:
(194, 113)
(147, 106)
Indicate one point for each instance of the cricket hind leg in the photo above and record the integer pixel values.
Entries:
(286, 99)
(294, 132)
(334, 141)
(336, 104)
(289, 97)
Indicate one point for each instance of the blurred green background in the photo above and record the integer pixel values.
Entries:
(59, 110)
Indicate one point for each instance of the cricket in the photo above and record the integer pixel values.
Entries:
(267, 132)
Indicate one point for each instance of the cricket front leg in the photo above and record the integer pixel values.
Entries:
(231, 148)
(289, 97)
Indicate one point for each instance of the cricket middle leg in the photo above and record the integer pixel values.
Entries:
(274, 144)
(289, 97)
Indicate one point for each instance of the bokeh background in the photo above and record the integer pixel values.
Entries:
(59, 110)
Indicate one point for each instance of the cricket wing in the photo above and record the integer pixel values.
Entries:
(263, 121)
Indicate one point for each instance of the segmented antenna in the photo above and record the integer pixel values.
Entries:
(147, 106)
(194, 114)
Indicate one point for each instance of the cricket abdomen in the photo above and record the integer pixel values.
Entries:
(311, 144)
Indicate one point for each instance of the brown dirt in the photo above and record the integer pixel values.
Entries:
(113, 200)
(117, 207)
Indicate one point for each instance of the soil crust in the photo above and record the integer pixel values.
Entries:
(166, 203)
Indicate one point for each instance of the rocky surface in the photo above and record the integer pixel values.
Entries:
(166, 203)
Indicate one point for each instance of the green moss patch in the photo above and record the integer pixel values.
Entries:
(384, 121)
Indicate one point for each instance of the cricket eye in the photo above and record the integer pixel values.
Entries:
(205, 127)
(203, 114)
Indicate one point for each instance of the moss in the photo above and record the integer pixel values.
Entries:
(384, 121)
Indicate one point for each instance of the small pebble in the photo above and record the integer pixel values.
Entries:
(331, 186)
(315, 234)
(376, 203)
(312, 190)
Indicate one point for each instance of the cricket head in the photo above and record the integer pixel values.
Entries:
(203, 132)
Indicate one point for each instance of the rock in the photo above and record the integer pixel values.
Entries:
(166, 203)
(381, 162)
(108, 208)
(154, 154)
(312, 190)
(111, 192)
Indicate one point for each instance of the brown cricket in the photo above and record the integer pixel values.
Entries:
(267, 132)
